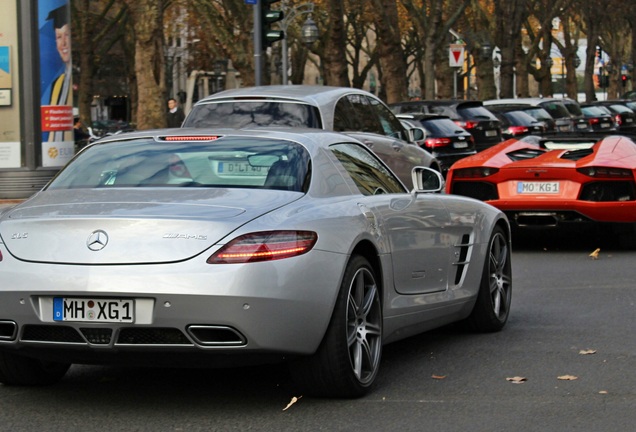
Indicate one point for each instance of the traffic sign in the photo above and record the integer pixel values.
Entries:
(456, 55)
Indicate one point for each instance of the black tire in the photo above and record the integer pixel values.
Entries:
(348, 359)
(26, 371)
(492, 307)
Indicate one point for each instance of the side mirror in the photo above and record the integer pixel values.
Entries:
(417, 136)
(427, 180)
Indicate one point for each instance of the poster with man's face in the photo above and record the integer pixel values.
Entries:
(56, 85)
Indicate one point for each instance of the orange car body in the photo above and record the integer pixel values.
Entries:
(546, 181)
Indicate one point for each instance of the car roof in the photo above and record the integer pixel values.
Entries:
(313, 94)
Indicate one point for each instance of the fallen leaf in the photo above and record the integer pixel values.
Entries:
(594, 254)
(588, 351)
(568, 377)
(517, 380)
(438, 377)
(293, 401)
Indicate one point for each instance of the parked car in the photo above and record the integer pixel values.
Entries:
(536, 112)
(566, 121)
(354, 112)
(624, 117)
(555, 180)
(518, 124)
(470, 115)
(444, 139)
(599, 117)
(198, 246)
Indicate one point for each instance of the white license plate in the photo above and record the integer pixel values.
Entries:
(581, 125)
(93, 310)
(239, 169)
(460, 145)
(491, 133)
(538, 187)
(629, 120)
(605, 125)
(564, 128)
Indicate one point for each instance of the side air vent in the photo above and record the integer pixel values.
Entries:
(462, 258)
(524, 154)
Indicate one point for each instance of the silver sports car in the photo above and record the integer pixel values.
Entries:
(204, 247)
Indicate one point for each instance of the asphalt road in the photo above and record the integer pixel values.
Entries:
(570, 341)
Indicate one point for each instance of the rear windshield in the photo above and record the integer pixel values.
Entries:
(556, 109)
(620, 108)
(594, 111)
(476, 113)
(240, 114)
(224, 162)
(573, 108)
(441, 127)
(519, 118)
(539, 114)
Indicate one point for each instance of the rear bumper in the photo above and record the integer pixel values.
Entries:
(184, 309)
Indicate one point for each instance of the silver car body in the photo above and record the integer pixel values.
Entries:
(150, 246)
(393, 143)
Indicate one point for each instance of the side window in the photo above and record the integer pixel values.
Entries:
(391, 126)
(344, 118)
(367, 172)
(363, 111)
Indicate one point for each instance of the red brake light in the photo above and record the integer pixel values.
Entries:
(265, 246)
(467, 124)
(594, 121)
(606, 172)
(191, 138)
(516, 130)
(618, 119)
(436, 142)
(477, 172)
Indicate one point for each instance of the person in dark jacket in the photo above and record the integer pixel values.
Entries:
(175, 114)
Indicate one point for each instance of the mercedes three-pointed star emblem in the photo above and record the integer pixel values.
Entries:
(97, 240)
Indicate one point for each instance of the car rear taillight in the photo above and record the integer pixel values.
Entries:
(618, 120)
(594, 121)
(517, 130)
(467, 124)
(606, 172)
(477, 172)
(432, 143)
(265, 246)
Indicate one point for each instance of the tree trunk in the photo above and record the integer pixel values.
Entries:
(147, 17)
(334, 58)
(390, 53)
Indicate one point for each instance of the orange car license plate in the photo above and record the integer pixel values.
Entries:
(538, 187)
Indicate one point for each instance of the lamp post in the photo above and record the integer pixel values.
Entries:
(309, 31)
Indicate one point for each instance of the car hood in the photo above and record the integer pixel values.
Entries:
(130, 227)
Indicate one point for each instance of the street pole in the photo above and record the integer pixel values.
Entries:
(258, 44)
